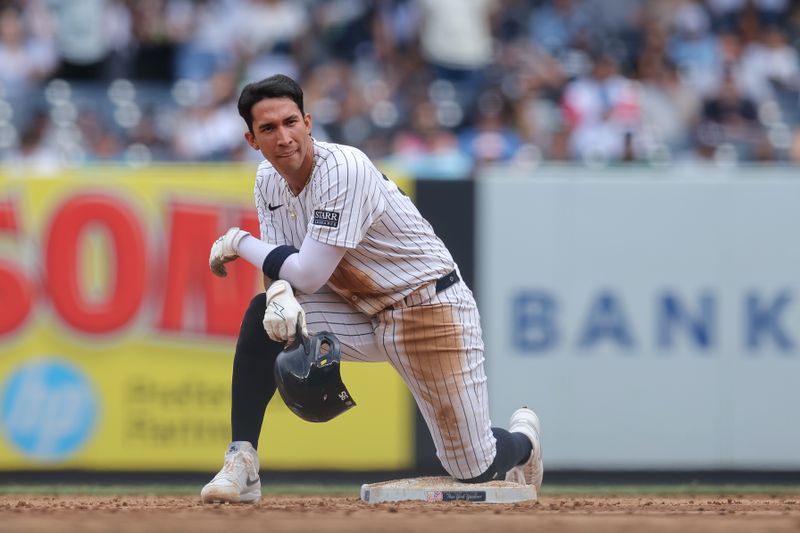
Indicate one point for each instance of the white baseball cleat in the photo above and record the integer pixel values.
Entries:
(238, 481)
(530, 472)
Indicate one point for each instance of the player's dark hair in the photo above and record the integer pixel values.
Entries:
(277, 86)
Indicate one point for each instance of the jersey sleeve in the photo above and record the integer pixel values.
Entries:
(349, 202)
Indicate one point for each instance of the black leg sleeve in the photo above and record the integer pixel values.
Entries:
(253, 383)
(512, 449)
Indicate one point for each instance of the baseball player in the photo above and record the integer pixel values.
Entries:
(344, 250)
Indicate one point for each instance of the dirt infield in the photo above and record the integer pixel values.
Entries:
(727, 514)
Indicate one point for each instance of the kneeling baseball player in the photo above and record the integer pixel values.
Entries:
(344, 251)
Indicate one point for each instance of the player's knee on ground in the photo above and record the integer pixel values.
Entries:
(512, 449)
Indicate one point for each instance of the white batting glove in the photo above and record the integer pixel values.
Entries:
(224, 250)
(283, 313)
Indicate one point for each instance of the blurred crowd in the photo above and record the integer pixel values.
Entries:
(434, 87)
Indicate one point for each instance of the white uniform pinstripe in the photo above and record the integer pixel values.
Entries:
(381, 300)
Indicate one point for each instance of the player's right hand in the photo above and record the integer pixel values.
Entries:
(283, 313)
(224, 250)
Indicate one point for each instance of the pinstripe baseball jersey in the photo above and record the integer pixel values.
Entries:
(392, 249)
(393, 310)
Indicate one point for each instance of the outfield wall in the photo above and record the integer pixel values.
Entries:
(650, 317)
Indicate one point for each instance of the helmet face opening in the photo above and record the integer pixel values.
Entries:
(308, 378)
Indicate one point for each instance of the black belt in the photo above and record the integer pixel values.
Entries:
(448, 280)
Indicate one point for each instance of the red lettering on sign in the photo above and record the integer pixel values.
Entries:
(8, 216)
(188, 280)
(16, 291)
(129, 260)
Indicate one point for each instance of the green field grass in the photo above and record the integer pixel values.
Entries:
(353, 490)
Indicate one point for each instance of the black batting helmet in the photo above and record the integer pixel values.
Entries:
(308, 378)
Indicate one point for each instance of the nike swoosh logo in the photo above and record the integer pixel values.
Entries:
(251, 482)
(273, 207)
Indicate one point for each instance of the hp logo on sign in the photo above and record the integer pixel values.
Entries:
(48, 409)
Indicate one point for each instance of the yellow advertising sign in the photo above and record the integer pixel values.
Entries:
(116, 342)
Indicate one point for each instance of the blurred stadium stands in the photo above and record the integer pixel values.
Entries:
(435, 87)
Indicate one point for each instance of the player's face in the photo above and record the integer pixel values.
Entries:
(283, 136)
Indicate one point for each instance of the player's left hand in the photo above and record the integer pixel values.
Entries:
(224, 250)
(283, 316)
